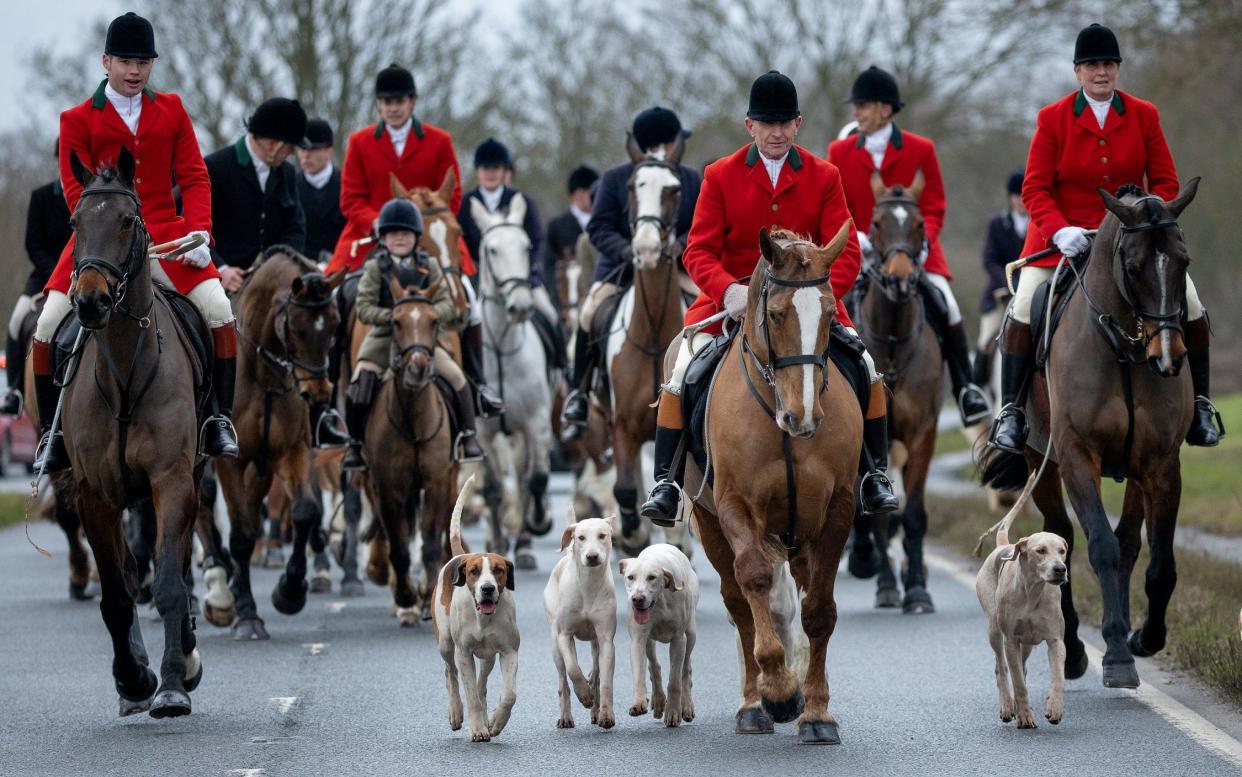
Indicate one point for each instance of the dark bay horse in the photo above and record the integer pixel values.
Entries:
(287, 320)
(1117, 405)
(765, 418)
(131, 431)
(892, 324)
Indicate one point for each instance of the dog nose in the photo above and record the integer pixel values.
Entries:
(488, 588)
(592, 558)
(1060, 572)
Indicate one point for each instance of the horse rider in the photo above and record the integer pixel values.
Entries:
(126, 113)
(1096, 136)
(319, 189)
(400, 225)
(1003, 244)
(899, 155)
(770, 182)
(256, 204)
(493, 171)
(655, 131)
(47, 232)
(564, 230)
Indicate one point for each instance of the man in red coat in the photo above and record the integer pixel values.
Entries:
(771, 183)
(900, 156)
(125, 113)
(419, 154)
(1096, 136)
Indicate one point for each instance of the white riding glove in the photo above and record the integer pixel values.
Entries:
(1071, 241)
(199, 257)
(735, 301)
(864, 244)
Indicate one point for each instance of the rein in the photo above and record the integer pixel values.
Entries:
(137, 242)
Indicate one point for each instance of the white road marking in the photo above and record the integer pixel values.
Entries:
(336, 606)
(1186, 720)
(315, 648)
(284, 703)
(246, 772)
(807, 305)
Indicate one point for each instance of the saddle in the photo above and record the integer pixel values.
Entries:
(1062, 292)
(551, 338)
(601, 328)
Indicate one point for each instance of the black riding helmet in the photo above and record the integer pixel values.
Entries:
(399, 214)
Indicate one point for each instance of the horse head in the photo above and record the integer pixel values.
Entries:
(305, 322)
(654, 197)
(897, 237)
(415, 329)
(1149, 261)
(110, 240)
(504, 257)
(791, 308)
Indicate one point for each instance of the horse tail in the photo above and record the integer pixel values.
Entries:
(455, 523)
(1002, 470)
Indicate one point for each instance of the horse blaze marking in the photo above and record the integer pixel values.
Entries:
(438, 233)
(315, 648)
(319, 323)
(284, 703)
(900, 213)
(649, 186)
(809, 309)
(1162, 263)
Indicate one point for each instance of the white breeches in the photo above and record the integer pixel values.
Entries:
(875, 376)
(1030, 278)
(989, 327)
(475, 314)
(942, 285)
(595, 296)
(20, 309)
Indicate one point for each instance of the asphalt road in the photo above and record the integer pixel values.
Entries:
(341, 689)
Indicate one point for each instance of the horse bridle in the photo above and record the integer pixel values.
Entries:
(286, 365)
(117, 278)
(767, 369)
(1162, 320)
(504, 286)
(874, 269)
(665, 229)
(400, 355)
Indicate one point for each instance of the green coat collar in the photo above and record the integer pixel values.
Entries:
(794, 158)
(243, 152)
(1080, 103)
(416, 126)
(100, 99)
(895, 139)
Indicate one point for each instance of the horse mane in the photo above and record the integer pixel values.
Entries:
(287, 250)
(787, 235)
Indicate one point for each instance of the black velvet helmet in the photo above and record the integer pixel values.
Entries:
(280, 118)
(581, 178)
(656, 126)
(876, 85)
(395, 81)
(1096, 43)
(130, 36)
(773, 98)
(1014, 184)
(399, 214)
(492, 153)
(319, 133)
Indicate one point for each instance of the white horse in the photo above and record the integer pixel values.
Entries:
(517, 367)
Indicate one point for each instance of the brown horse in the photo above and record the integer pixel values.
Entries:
(441, 238)
(648, 317)
(409, 444)
(1109, 415)
(130, 429)
(287, 319)
(765, 420)
(892, 324)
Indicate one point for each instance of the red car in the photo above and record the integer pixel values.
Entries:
(17, 437)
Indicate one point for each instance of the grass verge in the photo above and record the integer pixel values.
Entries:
(12, 508)
(1203, 616)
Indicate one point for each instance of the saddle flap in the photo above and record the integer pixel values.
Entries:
(1062, 293)
(450, 404)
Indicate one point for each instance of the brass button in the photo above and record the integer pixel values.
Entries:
(775, 206)
(1106, 178)
(1104, 160)
(137, 161)
(137, 180)
(1102, 141)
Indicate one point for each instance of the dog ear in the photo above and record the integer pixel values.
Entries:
(1019, 547)
(509, 582)
(456, 571)
(614, 523)
(671, 582)
(621, 565)
(567, 536)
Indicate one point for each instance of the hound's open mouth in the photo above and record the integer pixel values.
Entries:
(487, 608)
(642, 614)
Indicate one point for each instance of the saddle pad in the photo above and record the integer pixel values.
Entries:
(1063, 292)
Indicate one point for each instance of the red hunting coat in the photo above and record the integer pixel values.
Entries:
(165, 152)
(1070, 156)
(369, 158)
(737, 200)
(907, 153)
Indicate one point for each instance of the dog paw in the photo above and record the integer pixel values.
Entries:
(657, 706)
(1006, 710)
(565, 723)
(638, 708)
(672, 717)
(480, 734)
(1026, 718)
(1054, 711)
(687, 711)
(606, 719)
(586, 697)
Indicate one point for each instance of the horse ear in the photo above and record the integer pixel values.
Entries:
(877, 185)
(837, 245)
(631, 148)
(766, 247)
(394, 285)
(478, 211)
(337, 278)
(80, 173)
(1116, 207)
(679, 148)
(915, 189)
(125, 166)
(1185, 198)
(298, 287)
(397, 189)
(517, 210)
(448, 185)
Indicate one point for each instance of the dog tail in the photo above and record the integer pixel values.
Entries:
(455, 523)
(1001, 527)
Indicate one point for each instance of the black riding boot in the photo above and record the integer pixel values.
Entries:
(1206, 426)
(472, 363)
(981, 368)
(972, 403)
(1009, 430)
(326, 426)
(663, 506)
(218, 438)
(47, 394)
(15, 371)
(875, 492)
(358, 399)
(577, 408)
(468, 448)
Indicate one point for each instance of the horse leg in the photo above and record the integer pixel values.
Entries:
(351, 505)
(244, 498)
(1048, 498)
(218, 602)
(81, 587)
(1129, 533)
(396, 520)
(917, 600)
(141, 539)
(433, 525)
(321, 582)
(1081, 472)
(886, 593)
(1166, 494)
(864, 560)
(176, 506)
(624, 491)
(533, 487)
(538, 443)
(306, 514)
(493, 495)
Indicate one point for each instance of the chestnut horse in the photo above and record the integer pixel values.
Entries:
(779, 408)
(892, 324)
(1108, 415)
(287, 320)
(130, 425)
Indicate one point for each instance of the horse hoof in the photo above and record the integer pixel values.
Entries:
(83, 592)
(250, 629)
(170, 704)
(753, 720)
(784, 711)
(887, 597)
(1075, 661)
(1121, 675)
(218, 616)
(917, 602)
(141, 691)
(352, 588)
(407, 616)
(539, 524)
(819, 732)
(865, 567)
(1140, 648)
(125, 707)
(191, 683)
(321, 583)
(286, 602)
(526, 562)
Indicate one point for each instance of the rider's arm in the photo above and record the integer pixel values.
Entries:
(691, 183)
(607, 228)
(42, 255)
(833, 214)
(932, 200)
(706, 244)
(355, 199)
(294, 221)
(74, 136)
(368, 304)
(1041, 165)
(190, 173)
(1161, 172)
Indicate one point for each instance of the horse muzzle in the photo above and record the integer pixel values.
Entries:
(418, 372)
(94, 308)
(1166, 350)
(795, 427)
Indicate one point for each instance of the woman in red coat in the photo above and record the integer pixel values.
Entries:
(771, 183)
(899, 157)
(125, 113)
(1097, 136)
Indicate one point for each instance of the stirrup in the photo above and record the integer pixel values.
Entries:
(880, 476)
(332, 421)
(21, 402)
(579, 395)
(972, 388)
(1007, 410)
(458, 450)
(658, 517)
(44, 449)
(216, 419)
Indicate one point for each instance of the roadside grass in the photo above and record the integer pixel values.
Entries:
(13, 508)
(1203, 615)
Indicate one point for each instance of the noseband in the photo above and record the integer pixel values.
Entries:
(767, 369)
(402, 354)
(117, 278)
(504, 286)
(1163, 320)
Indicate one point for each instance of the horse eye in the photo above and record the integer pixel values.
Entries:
(776, 317)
